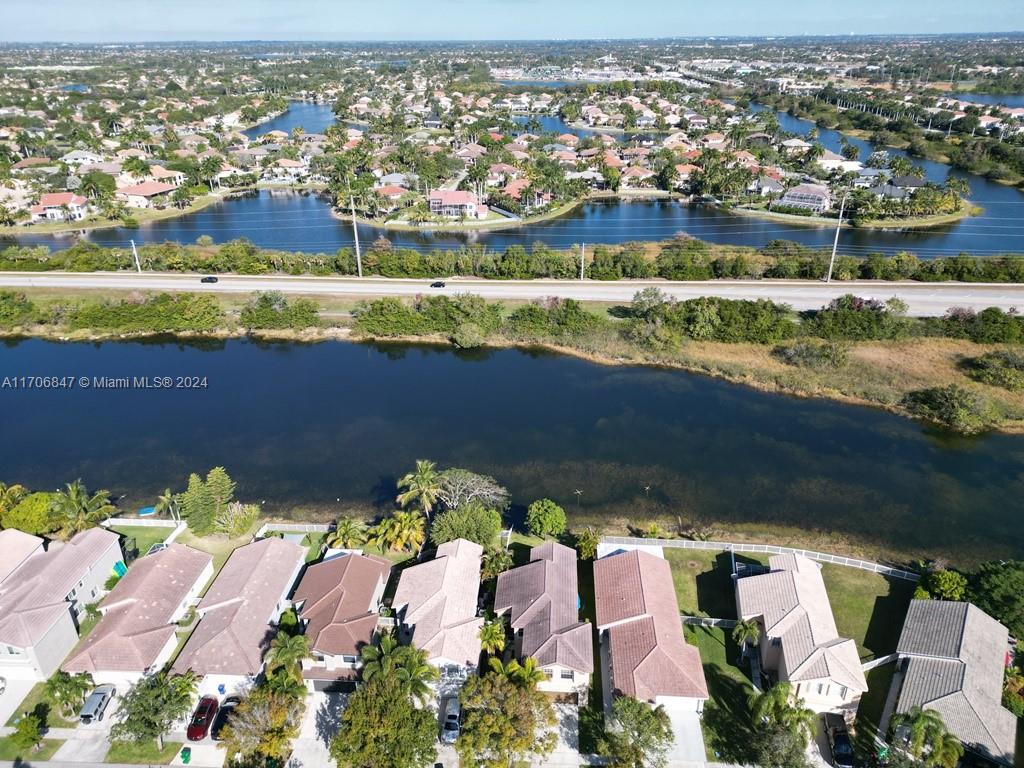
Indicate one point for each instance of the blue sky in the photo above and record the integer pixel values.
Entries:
(152, 20)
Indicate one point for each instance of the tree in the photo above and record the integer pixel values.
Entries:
(203, 502)
(10, 495)
(925, 735)
(380, 728)
(32, 514)
(414, 673)
(472, 522)
(380, 660)
(496, 560)
(780, 707)
(76, 510)
(221, 488)
(27, 733)
(401, 531)
(526, 674)
(348, 532)
(746, 631)
(942, 584)
(587, 542)
(166, 503)
(637, 735)
(287, 652)
(263, 725)
(504, 723)
(545, 518)
(492, 636)
(152, 706)
(68, 691)
(236, 518)
(460, 486)
(209, 167)
(998, 589)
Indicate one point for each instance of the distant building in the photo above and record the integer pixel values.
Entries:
(143, 195)
(60, 206)
(455, 204)
(813, 197)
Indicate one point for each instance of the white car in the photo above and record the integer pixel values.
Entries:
(451, 728)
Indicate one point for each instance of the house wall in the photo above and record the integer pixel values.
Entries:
(55, 645)
(826, 695)
(681, 703)
(193, 594)
(90, 588)
(555, 683)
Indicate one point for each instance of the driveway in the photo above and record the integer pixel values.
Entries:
(204, 755)
(688, 749)
(567, 749)
(319, 724)
(11, 699)
(89, 747)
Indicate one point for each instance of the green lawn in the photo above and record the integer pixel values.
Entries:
(36, 698)
(703, 580)
(142, 754)
(726, 722)
(46, 750)
(145, 536)
(218, 545)
(868, 607)
(869, 713)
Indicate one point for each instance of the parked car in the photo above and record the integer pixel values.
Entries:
(839, 741)
(209, 279)
(222, 716)
(96, 704)
(451, 728)
(202, 719)
(437, 284)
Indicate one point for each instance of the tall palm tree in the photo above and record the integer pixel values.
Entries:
(76, 510)
(422, 485)
(401, 531)
(348, 532)
(286, 685)
(746, 631)
(166, 502)
(287, 652)
(924, 727)
(492, 636)
(382, 658)
(527, 674)
(781, 707)
(415, 673)
(10, 495)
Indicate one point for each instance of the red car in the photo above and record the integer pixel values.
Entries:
(202, 719)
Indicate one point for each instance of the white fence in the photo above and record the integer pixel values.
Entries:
(293, 528)
(140, 522)
(705, 621)
(771, 549)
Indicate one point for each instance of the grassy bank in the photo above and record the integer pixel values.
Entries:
(141, 215)
(915, 222)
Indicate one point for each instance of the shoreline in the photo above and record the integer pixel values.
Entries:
(821, 222)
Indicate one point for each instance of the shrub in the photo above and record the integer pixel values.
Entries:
(812, 354)
(952, 406)
(545, 518)
(15, 309)
(587, 541)
(157, 313)
(1004, 369)
(851, 317)
(388, 317)
(270, 309)
(33, 514)
(468, 335)
(468, 521)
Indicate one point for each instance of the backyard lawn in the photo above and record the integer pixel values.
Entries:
(11, 753)
(145, 536)
(142, 754)
(868, 607)
(869, 713)
(703, 580)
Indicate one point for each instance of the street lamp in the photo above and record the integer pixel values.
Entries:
(835, 242)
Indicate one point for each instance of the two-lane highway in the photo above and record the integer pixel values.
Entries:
(923, 299)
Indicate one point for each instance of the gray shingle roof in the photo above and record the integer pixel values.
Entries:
(956, 657)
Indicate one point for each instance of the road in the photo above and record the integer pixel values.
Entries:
(923, 299)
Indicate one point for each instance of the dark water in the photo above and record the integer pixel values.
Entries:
(992, 99)
(300, 427)
(312, 118)
(282, 219)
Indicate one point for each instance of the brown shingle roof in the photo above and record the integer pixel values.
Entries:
(636, 604)
(336, 597)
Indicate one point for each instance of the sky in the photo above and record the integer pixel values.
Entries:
(365, 20)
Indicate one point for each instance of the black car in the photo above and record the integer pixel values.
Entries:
(223, 715)
(209, 279)
(839, 741)
(437, 284)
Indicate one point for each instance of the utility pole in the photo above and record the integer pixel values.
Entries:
(835, 243)
(135, 253)
(583, 258)
(355, 229)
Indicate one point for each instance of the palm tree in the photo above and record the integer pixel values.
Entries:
(10, 495)
(415, 673)
(77, 510)
(401, 531)
(492, 636)
(208, 169)
(946, 751)
(348, 532)
(286, 685)
(382, 658)
(527, 674)
(746, 631)
(68, 691)
(496, 561)
(780, 706)
(924, 728)
(287, 652)
(166, 502)
(422, 485)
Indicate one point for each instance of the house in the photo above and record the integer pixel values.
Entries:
(60, 206)
(136, 635)
(238, 614)
(43, 594)
(799, 642)
(436, 603)
(636, 176)
(455, 204)
(908, 183)
(951, 659)
(286, 169)
(889, 191)
(713, 140)
(638, 622)
(391, 194)
(166, 176)
(542, 601)
(78, 157)
(143, 195)
(795, 146)
(765, 186)
(812, 197)
(338, 602)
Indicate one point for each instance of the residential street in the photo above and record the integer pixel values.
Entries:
(923, 299)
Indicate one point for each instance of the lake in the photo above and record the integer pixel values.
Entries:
(315, 430)
(311, 117)
(298, 221)
(992, 99)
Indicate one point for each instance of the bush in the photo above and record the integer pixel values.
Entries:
(1000, 369)
(469, 521)
(851, 317)
(468, 336)
(545, 518)
(952, 406)
(15, 309)
(159, 313)
(33, 514)
(270, 309)
(812, 354)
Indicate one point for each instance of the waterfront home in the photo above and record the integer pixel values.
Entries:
(795, 146)
(286, 169)
(143, 195)
(952, 658)
(166, 176)
(765, 186)
(436, 603)
(799, 642)
(43, 593)
(455, 204)
(338, 604)
(815, 198)
(60, 206)
(79, 157)
(238, 615)
(542, 602)
(639, 626)
(136, 634)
